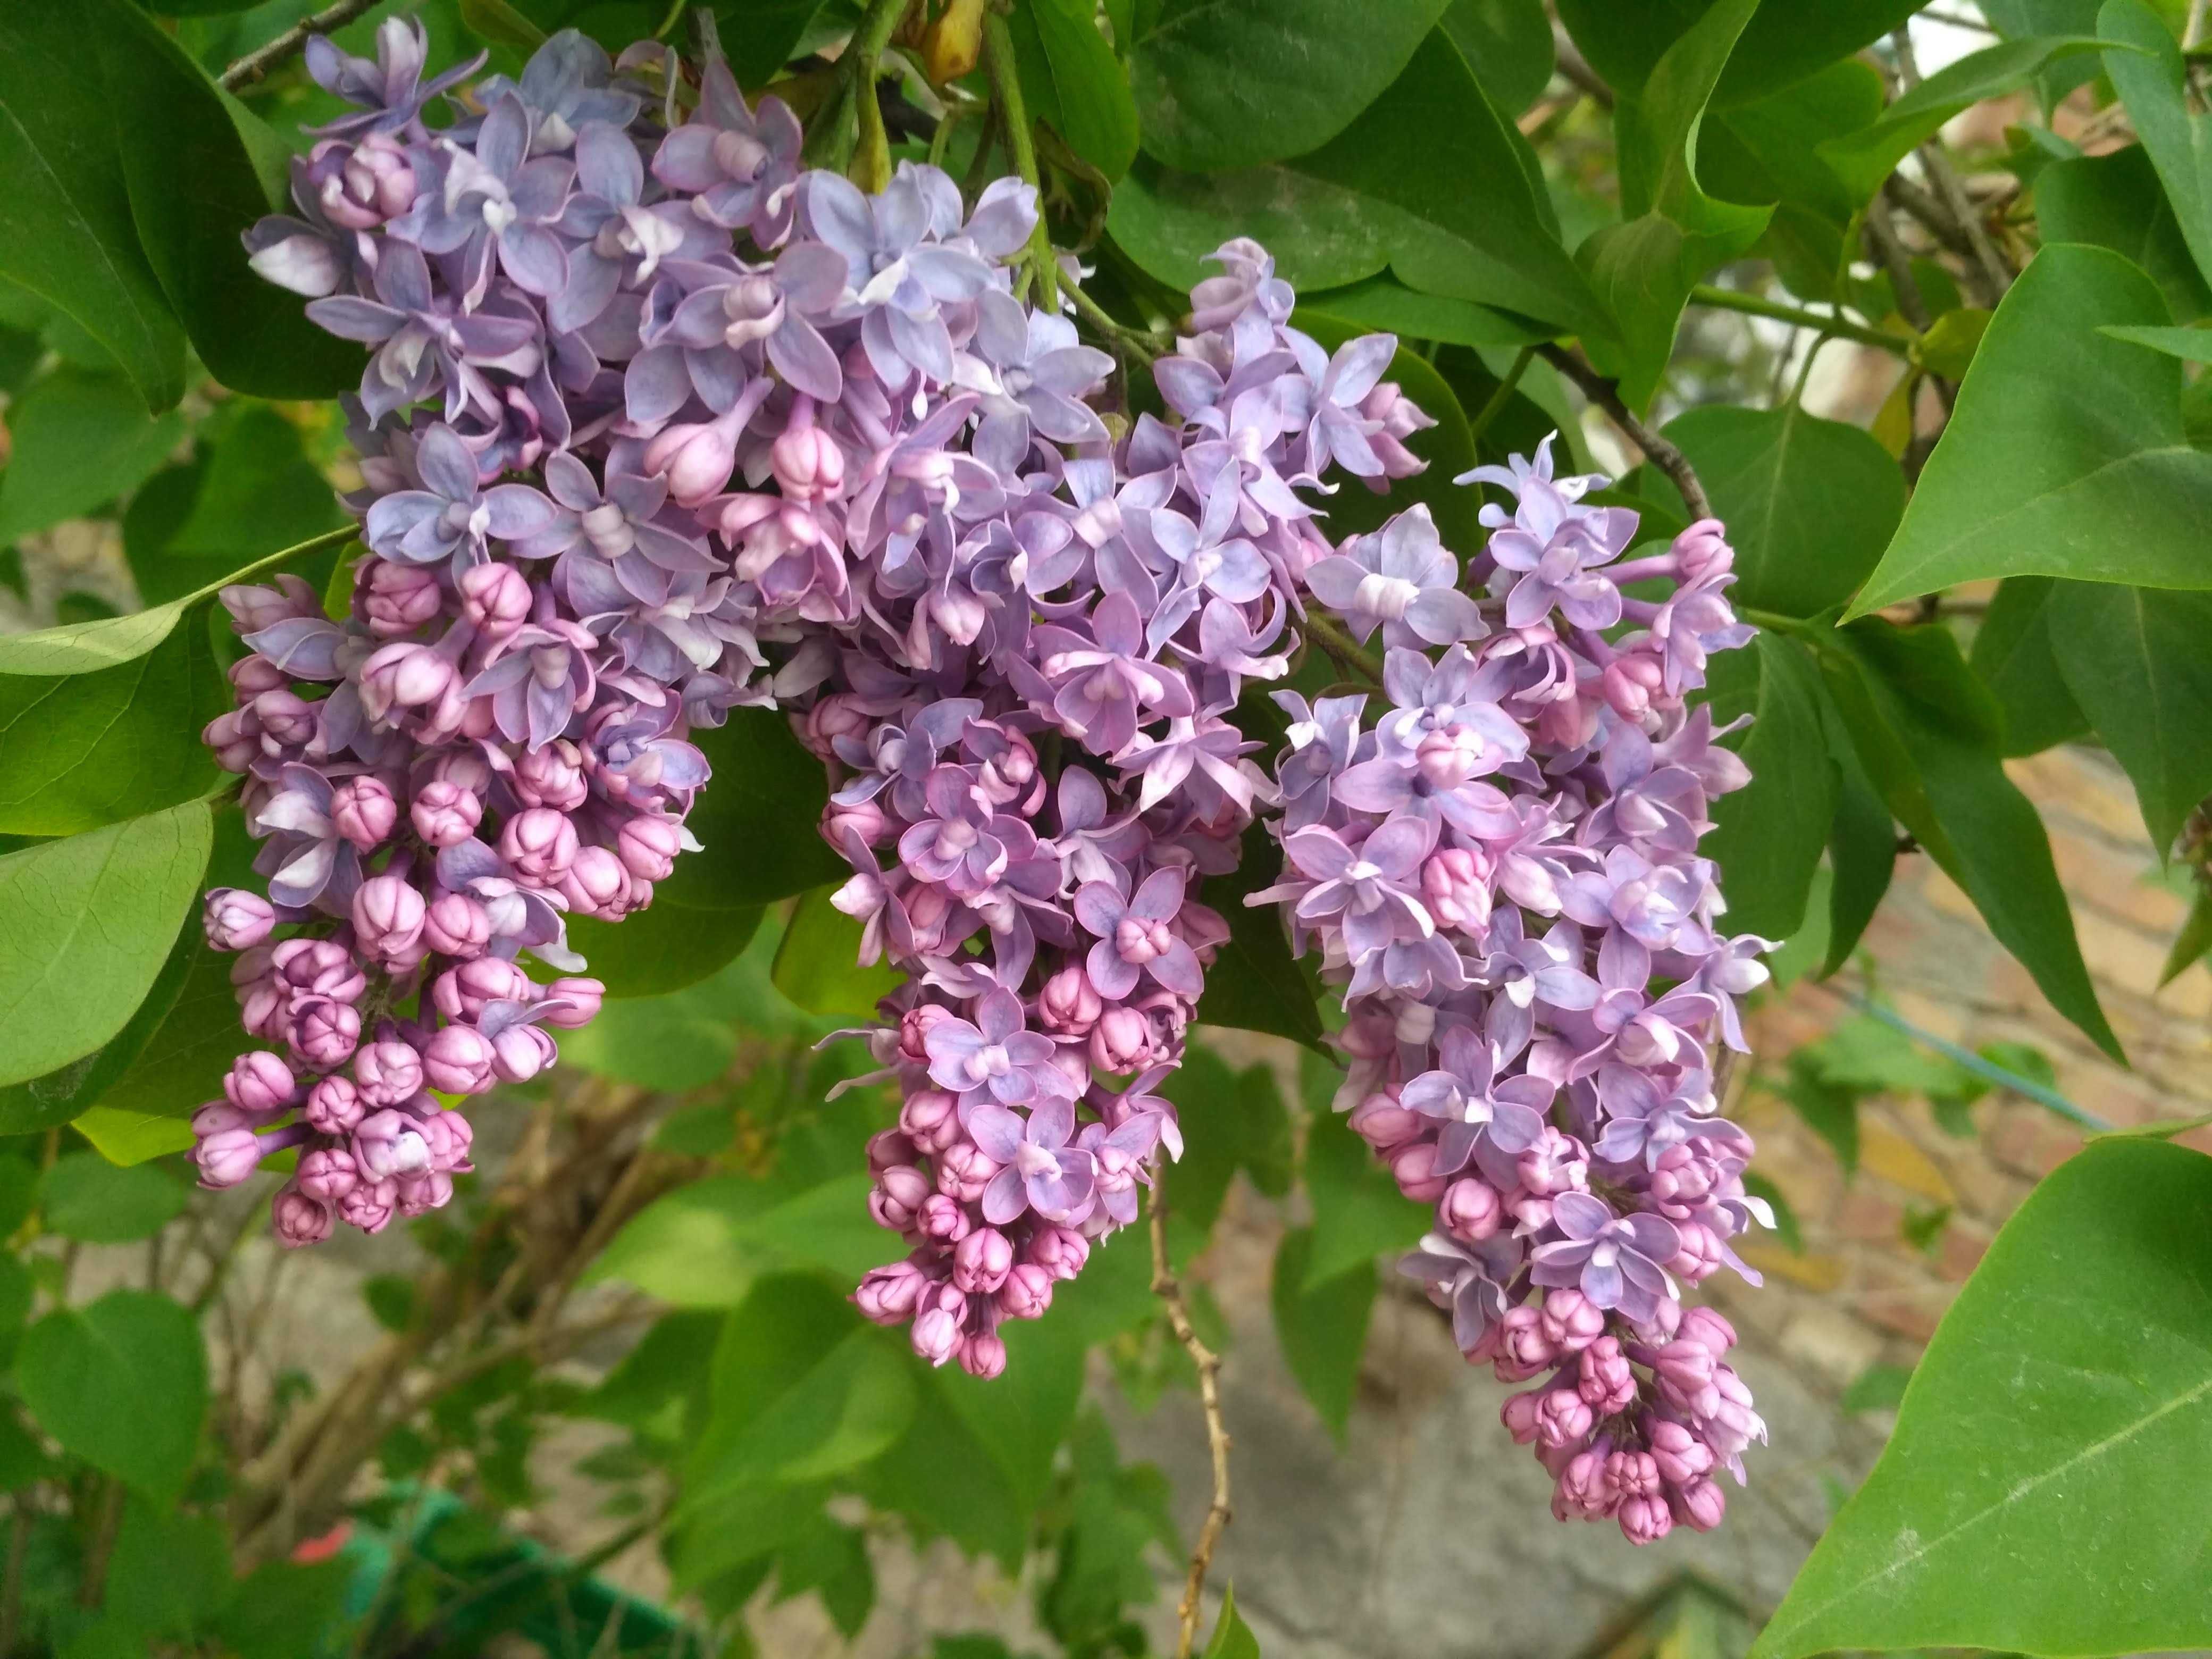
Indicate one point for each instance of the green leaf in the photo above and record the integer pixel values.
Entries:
(818, 963)
(706, 1244)
(2065, 455)
(194, 192)
(1231, 83)
(87, 750)
(179, 1066)
(66, 231)
(1830, 1110)
(1861, 845)
(756, 819)
(2058, 1423)
(1229, 1120)
(1508, 45)
(1864, 159)
(1322, 1326)
(122, 1383)
(68, 1091)
(665, 947)
(2194, 939)
(1098, 112)
(1809, 504)
(760, 35)
(1321, 234)
(1023, 1416)
(259, 492)
(278, 1600)
(2139, 665)
(169, 1571)
(1254, 984)
(81, 440)
(1781, 45)
(500, 23)
(126, 1138)
(2147, 69)
(680, 1040)
(1768, 835)
(1386, 304)
(85, 925)
(1928, 733)
(803, 1388)
(1358, 1213)
(85, 1198)
(1767, 151)
(2115, 201)
(1877, 1388)
(1232, 1637)
(1672, 232)
(2013, 656)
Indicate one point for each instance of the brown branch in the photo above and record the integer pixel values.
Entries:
(258, 61)
(1606, 394)
(1169, 1290)
(1576, 67)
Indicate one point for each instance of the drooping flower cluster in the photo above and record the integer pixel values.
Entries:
(1027, 712)
(1501, 871)
(654, 424)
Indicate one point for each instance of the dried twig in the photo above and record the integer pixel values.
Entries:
(1661, 453)
(1576, 67)
(1169, 1290)
(258, 61)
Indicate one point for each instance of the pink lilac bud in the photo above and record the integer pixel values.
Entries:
(1708, 1328)
(982, 1260)
(420, 1194)
(1563, 1418)
(328, 1173)
(1469, 1210)
(1455, 889)
(496, 598)
(1679, 1456)
(1412, 1166)
(1644, 1520)
(324, 1032)
(648, 845)
(1700, 1504)
(298, 1218)
(807, 463)
(228, 1157)
(931, 1119)
(258, 1084)
(362, 810)
(236, 919)
(519, 1052)
(388, 1144)
(253, 673)
(464, 991)
(287, 719)
(1122, 1041)
(1603, 1378)
(1523, 1349)
(698, 460)
(863, 821)
(458, 1061)
(387, 1073)
(887, 1295)
(1383, 1124)
(1026, 1294)
(552, 776)
(595, 884)
(888, 1149)
(984, 1355)
(235, 748)
(898, 1194)
(1060, 1251)
(369, 1206)
(398, 599)
(1555, 1165)
(963, 1169)
(455, 924)
(936, 1334)
(388, 915)
(217, 1115)
(1069, 1004)
(1571, 1322)
(444, 814)
(333, 1106)
(1522, 1415)
(572, 1003)
(404, 676)
(947, 1220)
(1582, 1493)
(320, 967)
(540, 843)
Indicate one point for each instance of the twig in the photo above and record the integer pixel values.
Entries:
(1728, 299)
(1341, 648)
(1985, 261)
(828, 144)
(1495, 405)
(1007, 92)
(11, 1583)
(1660, 452)
(1931, 215)
(1169, 1290)
(1576, 67)
(258, 61)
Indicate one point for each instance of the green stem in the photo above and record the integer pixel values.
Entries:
(837, 129)
(1007, 90)
(1499, 398)
(1775, 623)
(1341, 647)
(1726, 298)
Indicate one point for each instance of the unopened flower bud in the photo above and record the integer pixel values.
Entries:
(236, 919)
(458, 1061)
(258, 1084)
(444, 814)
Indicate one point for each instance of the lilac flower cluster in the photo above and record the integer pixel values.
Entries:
(1501, 871)
(1027, 710)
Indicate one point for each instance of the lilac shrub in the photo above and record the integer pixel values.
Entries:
(655, 424)
(1500, 870)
